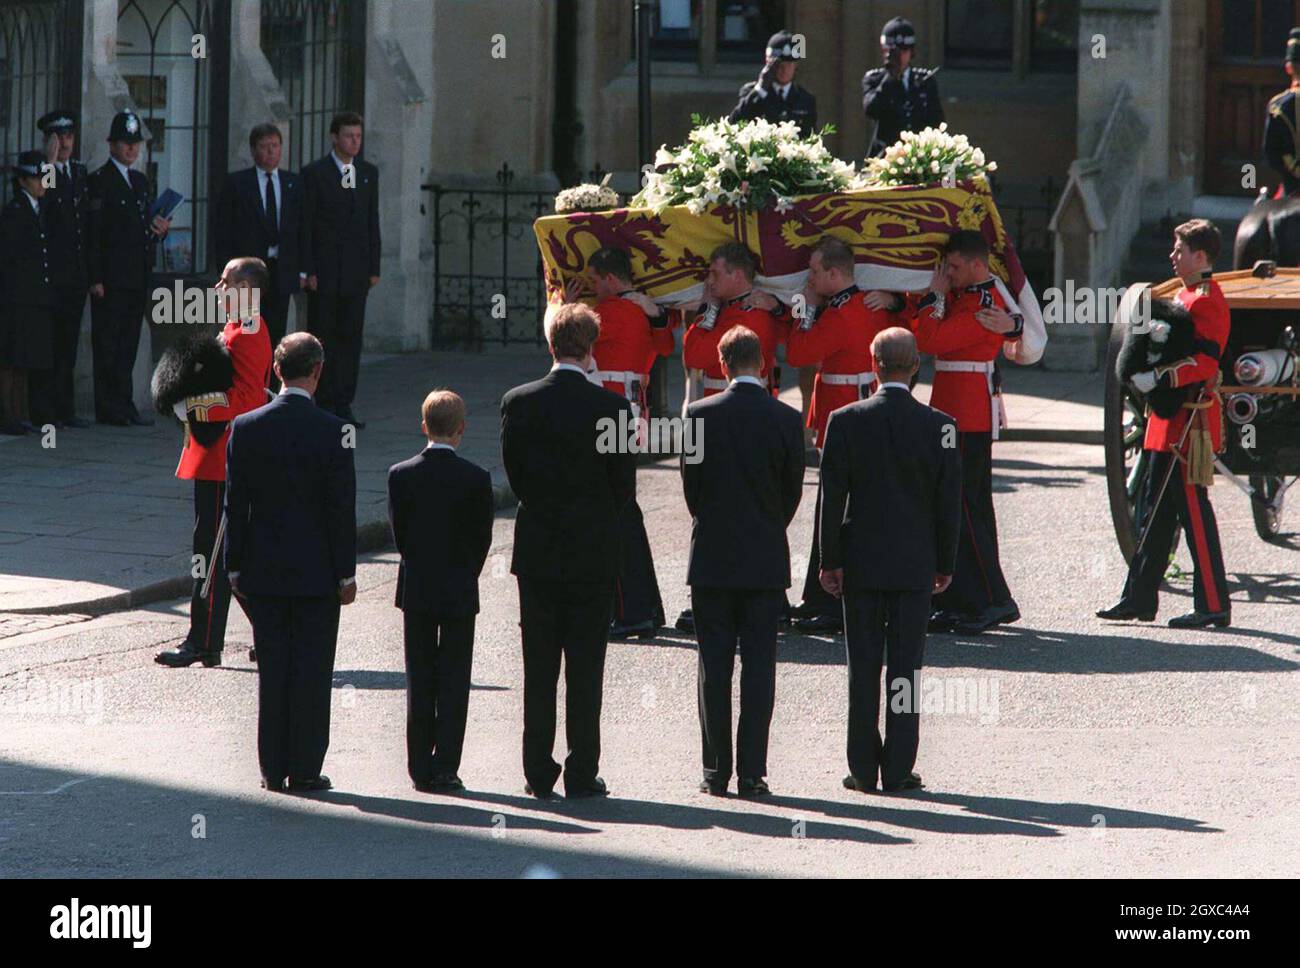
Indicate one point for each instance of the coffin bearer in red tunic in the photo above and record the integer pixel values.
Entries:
(207, 420)
(964, 319)
(1181, 455)
(835, 335)
(633, 331)
(730, 300)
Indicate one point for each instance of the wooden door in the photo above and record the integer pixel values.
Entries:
(1245, 51)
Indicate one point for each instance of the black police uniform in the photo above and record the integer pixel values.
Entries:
(120, 257)
(28, 336)
(65, 208)
(760, 99)
(909, 102)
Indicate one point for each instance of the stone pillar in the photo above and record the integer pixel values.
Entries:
(399, 139)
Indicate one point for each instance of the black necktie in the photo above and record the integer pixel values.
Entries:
(272, 212)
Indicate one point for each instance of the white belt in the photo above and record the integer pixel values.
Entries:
(997, 414)
(860, 380)
(625, 377)
(711, 384)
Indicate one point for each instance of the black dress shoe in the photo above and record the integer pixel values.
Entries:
(275, 786)
(685, 622)
(314, 785)
(447, 783)
(185, 654)
(852, 782)
(540, 793)
(944, 621)
(1122, 612)
(636, 630)
(803, 610)
(139, 420)
(596, 788)
(76, 423)
(753, 787)
(713, 788)
(1002, 614)
(1199, 620)
(819, 623)
(911, 782)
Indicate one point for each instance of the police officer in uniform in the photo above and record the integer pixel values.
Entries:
(65, 207)
(1280, 127)
(898, 96)
(121, 238)
(775, 96)
(26, 336)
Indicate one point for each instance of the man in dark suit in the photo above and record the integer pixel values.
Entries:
(291, 554)
(258, 214)
(65, 209)
(890, 509)
(340, 256)
(119, 255)
(742, 496)
(562, 442)
(440, 508)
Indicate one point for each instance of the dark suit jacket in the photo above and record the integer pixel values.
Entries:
(440, 508)
(744, 493)
(119, 249)
(890, 493)
(570, 494)
(65, 208)
(291, 500)
(340, 226)
(243, 229)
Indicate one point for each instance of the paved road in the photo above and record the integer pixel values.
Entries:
(1114, 751)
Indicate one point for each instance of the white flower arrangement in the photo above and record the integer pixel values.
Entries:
(926, 157)
(747, 164)
(587, 198)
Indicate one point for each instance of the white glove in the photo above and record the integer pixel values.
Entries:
(1144, 382)
(178, 408)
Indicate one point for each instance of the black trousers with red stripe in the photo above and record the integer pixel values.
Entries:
(1189, 505)
(636, 592)
(208, 613)
(977, 580)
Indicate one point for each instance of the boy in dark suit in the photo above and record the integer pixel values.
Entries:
(440, 508)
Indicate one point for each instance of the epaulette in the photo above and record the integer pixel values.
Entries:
(1274, 103)
(841, 297)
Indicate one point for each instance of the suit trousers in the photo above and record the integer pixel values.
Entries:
(724, 619)
(816, 599)
(115, 337)
(208, 612)
(1190, 505)
(69, 304)
(977, 580)
(336, 319)
(274, 304)
(439, 653)
(295, 639)
(569, 619)
(884, 628)
(636, 591)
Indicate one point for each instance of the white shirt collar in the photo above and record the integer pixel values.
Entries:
(433, 446)
(782, 89)
(126, 172)
(895, 383)
(339, 162)
(748, 379)
(907, 79)
(297, 391)
(569, 366)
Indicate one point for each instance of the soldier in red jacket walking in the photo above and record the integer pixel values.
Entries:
(1178, 493)
(835, 335)
(207, 418)
(633, 332)
(730, 301)
(964, 320)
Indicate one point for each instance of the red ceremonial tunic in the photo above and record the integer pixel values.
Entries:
(1212, 321)
(628, 344)
(250, 351)
(700, 345)
(956, 335)
(839, 339)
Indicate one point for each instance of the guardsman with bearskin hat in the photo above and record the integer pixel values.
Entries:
(207, 411)
(1183, 448)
